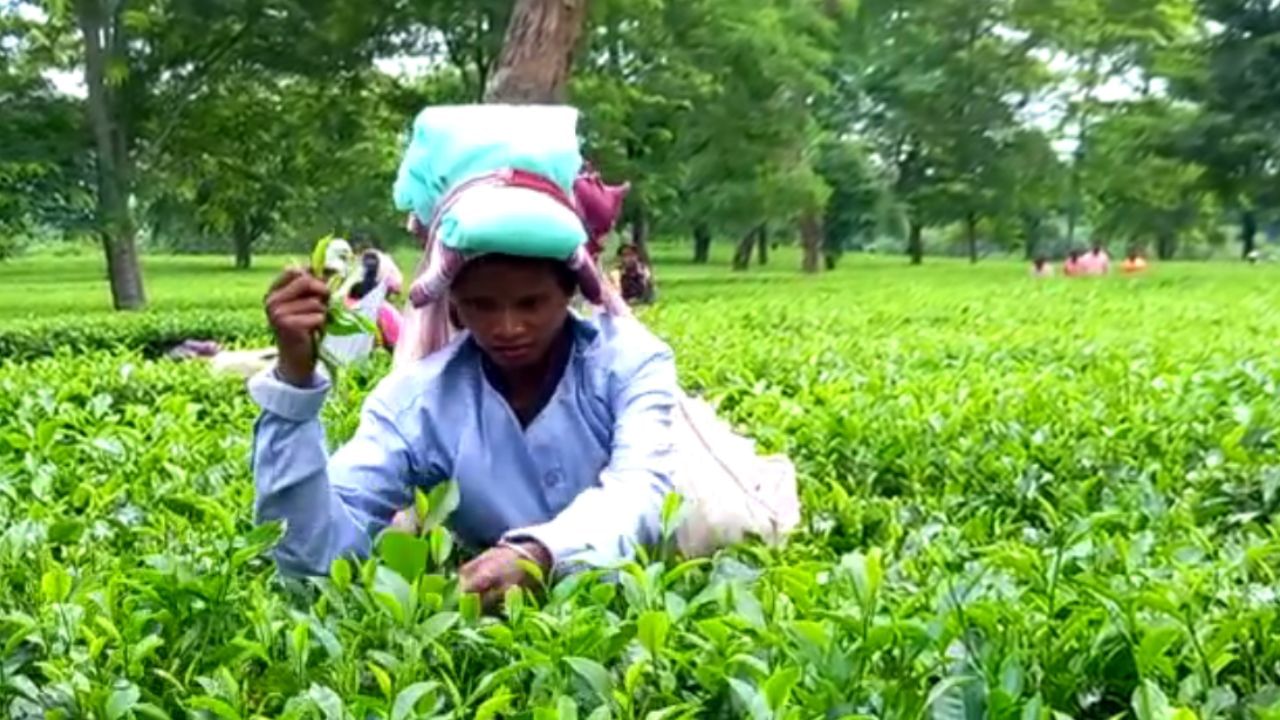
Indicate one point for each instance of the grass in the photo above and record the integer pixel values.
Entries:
(1021, 498)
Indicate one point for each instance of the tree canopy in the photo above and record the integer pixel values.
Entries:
(912, 126)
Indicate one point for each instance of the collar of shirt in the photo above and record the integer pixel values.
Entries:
(574, 331)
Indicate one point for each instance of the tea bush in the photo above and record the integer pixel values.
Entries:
(1022, 501)
(152, 334)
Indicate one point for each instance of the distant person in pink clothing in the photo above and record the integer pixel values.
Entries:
(1097, 261)
(380, 278)
(1042, 267)
(1071, 266)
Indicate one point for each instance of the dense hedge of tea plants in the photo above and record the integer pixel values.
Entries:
(152, 334)
(1023, 500)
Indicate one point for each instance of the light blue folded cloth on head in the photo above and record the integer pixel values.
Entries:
(452, 144)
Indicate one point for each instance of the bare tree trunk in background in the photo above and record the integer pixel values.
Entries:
(971, 234)
(915, 243)
(701, 244)
(1166, 245)
(762, 246)
(811, 237)
(640, 234)
(742, 253)
(537, 54)
(242, 238)
(115, 168)
(1248, 233)
(1031, 231)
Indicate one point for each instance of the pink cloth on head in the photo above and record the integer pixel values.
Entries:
(599, 205)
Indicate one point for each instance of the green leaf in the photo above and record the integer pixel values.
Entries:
(340, 573)
(147, 710)
(1150, 702)
(867, 572)
(747, 606)
(441, 542)
(566, 709)
(219, 707)
(756, 706)
(437, 625)
(55, 584)
(381, 677)
(949, 699)
(257, 542)
(406, 554)
(469, 607)
(421, 508)
(328, 702)
(652, 628)
(490, 708)
(777, 689)
(407, 700)
(121, 701)
(442, 501)
(595, 674)
(672, 515)
(318, 254)
(66, 531)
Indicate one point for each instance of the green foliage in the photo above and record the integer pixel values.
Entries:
(265, 156)
(252, 126)
(1014, 509)
(705, 105)
(152, 335)
(1142, 191)
(45, 166)
(860, 204)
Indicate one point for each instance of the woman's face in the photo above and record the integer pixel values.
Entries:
(514, 310)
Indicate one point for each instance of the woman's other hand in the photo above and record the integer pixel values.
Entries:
(499, 569)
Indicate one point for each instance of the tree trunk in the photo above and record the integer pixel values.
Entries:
(701, 244)
(114, 219)
(971, 235)
(640, 234)
(537, 53)
(244, 250)
(762, 246)
(742, 253)
(1166, 245)
(1031, 231)
(831, 261)
(811, 236)
(1248, 233)
(915, 243)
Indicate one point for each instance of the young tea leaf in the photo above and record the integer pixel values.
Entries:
(595, 675)
(651, 629)
(405, 554)
(122, 701)
(404, 708)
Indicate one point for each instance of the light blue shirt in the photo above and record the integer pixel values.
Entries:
(586, 478)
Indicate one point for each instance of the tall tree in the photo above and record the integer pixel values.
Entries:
(1141, 192)
(537, 54)
(144, 63)
(263, 151)
(46, 173)
(1105, 44)
(1237, 84)
(936, 86)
